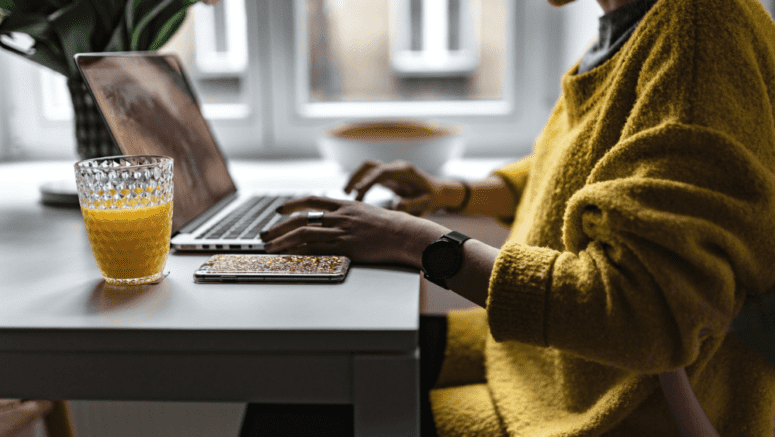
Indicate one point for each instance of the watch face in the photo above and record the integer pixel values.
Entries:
(441, 259)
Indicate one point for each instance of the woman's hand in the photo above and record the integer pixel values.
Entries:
(420, 192)
(362, 232)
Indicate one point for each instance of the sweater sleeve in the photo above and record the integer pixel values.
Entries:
(515, 176)
(675, 224)
(660, 253)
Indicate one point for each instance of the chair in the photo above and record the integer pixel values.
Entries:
(18, 418)
(754, 326)
(687, 411)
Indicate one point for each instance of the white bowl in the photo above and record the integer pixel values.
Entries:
(426, 145)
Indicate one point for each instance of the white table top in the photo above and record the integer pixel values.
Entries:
(54, 299)
(353, 342)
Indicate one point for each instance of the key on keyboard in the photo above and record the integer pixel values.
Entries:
(255, 205)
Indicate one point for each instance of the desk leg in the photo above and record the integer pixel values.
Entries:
(386, 395)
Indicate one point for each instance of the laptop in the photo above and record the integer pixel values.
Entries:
(150, 108)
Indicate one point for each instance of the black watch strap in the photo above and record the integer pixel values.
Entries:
(457, 239)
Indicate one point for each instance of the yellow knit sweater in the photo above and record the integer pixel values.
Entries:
(646, 215)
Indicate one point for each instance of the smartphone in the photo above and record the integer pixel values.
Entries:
(227, 268)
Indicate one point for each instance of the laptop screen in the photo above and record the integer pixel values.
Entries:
(151, 110)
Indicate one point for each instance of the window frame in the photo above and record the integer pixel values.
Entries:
(35, 129)
(234, 59)
(280, 125)
(31, 135)
(5, 110)
(242, 131)
(434, 54)
(495, 131)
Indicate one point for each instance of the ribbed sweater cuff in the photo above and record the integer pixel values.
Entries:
(517, 297)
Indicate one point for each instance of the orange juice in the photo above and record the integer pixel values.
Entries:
(130, 243)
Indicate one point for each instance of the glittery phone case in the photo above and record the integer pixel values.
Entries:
(273, 268)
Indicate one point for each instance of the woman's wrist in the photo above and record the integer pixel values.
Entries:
(455, 196)
(418, 233)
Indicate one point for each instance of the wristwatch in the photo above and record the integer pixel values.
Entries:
(442, 258)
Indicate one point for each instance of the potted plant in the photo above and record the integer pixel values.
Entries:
(51, 32)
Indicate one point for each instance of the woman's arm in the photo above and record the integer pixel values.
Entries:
(370, 234)
(490, 197)
(422, 193)
(473, 279)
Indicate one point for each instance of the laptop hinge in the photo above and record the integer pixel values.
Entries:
(207, 215)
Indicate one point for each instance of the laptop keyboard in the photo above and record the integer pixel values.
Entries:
(247, 221)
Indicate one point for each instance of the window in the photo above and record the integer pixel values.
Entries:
(4, 109)
(340, 60)
(218, 48)
(272, 74)
(213, 44)
(38, 117)
(406, 54)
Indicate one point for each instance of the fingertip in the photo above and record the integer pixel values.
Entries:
(350, 185)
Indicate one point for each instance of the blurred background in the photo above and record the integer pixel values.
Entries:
(272, 74)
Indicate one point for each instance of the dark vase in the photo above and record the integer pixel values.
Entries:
(91, 133)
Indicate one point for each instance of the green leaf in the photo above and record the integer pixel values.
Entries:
(167, 30)
(119, 40)
(58, 3)
(46, 50)
(40, 6)
(136, 10)
(130, 10)
(62, 28)
(149, 25)
(34, 25)
(45, 54)
(138, 17)
(74, 27)
(110, 13)
(51, 56)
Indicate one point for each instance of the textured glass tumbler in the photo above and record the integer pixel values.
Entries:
(126, 203)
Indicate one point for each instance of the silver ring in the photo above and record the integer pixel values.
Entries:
(315, 218)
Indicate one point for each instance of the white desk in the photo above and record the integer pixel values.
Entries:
(64, 335)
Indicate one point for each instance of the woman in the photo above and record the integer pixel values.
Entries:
(642, 219)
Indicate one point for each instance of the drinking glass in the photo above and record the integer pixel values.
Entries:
(126, 203)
